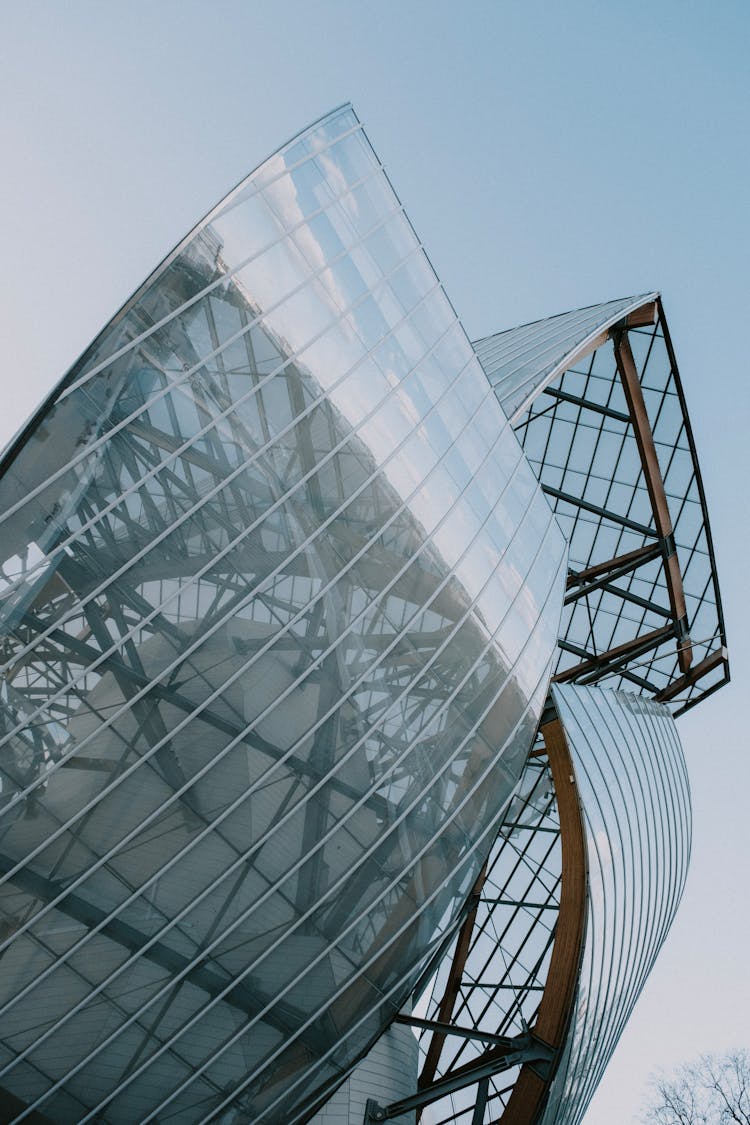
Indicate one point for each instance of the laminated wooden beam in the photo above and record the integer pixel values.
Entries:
(644, 438)
(602, 661)
(713, 660)
(558, 998)
(638, 557)
(453, 984)
(643, 317)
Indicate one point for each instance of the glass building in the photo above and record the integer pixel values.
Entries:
(339, 777)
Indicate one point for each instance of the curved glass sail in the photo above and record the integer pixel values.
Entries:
(279, 595)
(634, 791)
(579, 892)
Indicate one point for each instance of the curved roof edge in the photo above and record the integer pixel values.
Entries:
(8, 451)
(516, 384)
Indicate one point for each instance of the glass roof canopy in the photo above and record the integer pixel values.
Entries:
(596, 400)
(521, 361)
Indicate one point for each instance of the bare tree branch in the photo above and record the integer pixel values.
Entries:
(713, 1090)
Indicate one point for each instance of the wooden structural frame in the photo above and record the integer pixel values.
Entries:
(659, 535)
(552, 1020)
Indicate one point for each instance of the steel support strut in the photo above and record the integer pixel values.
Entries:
(517, 1050)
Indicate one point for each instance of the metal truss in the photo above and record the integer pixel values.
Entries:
(514, 962)
(610, 441)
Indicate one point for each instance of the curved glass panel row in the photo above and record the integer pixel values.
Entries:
(519, 361)
(279, 596)
(633, 786)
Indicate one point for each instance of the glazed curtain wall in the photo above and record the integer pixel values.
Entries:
(633, 785)
(279, 599)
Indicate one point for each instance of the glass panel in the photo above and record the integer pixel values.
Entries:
(270, 672)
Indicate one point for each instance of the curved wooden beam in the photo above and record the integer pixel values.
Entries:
(453, 984)
(644, 439)
(556, 1007)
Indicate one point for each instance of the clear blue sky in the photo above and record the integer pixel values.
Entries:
(550, 155)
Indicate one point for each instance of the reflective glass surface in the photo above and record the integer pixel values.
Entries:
(633, 785)
(279, 595)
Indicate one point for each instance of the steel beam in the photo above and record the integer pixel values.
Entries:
(506, 1041)
(597, 510)
(483, 1087)
(587, 404)
(636, 599)
(526, 1048)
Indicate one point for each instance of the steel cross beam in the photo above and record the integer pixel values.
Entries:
(598, 510)
(522, 1049)
(507, 1041)
(587, 581)
(629, 596)
(587, 404)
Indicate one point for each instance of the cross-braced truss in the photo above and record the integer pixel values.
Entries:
(608, 435)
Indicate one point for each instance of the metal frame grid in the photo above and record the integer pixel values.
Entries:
(564, 923)
(621, 624)
(494, 978)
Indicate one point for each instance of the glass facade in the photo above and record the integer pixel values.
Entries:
(279, 600)
(633, 786)
(522, 361)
